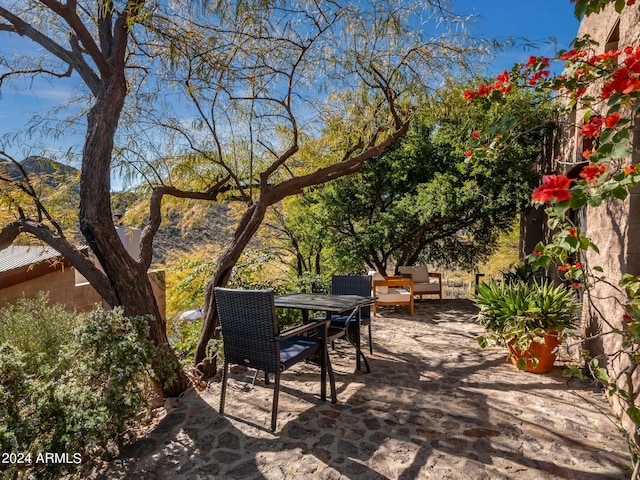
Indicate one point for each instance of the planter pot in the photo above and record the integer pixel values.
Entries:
(545, 353)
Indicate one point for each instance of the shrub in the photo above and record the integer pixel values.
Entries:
(36, 328)
(78, 403)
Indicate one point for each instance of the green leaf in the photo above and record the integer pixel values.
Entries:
(601, 375)
(620, 193)
(581, 8)
(634, 414)
(620, 150)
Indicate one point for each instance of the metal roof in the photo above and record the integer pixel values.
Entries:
(21, 256)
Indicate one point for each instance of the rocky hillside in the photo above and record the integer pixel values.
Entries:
(37, 165)
(213, 225)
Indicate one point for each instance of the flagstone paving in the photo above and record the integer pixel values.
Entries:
(435, 407)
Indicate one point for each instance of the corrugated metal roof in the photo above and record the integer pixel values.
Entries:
(21, 256)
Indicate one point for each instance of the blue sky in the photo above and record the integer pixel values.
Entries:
(536, 20)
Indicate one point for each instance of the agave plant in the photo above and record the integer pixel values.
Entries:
(521, 312)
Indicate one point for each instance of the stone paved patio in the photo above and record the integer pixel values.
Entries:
(434, 407)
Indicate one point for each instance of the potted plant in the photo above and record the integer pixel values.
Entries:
(529, 317)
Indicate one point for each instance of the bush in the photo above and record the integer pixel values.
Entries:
(36, 328)
(77, 404)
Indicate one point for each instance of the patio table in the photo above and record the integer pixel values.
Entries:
(329, 304)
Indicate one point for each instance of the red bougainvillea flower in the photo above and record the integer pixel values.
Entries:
(627, 318)
(631, 2)
(612, 120)
(592, 127)
(537, 252)
(503, 77)
(603, 57)
(592, 171)
(578, 92)
(532, 61)
(573, 55)
(573, 232)
(623, 79)
(500, 84)
(629, 169)
(468, 153)
(586, 154)
(475, 134)
(553, 187)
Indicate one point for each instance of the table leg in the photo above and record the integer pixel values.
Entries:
(356, 343)
(327, 363)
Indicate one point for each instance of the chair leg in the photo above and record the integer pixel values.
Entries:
(223, 393)
(325, 367)
(323, 372)
(370, 340)
(274, 407)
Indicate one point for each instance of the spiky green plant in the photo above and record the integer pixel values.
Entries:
(521, 312)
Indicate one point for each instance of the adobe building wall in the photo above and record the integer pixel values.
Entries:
(615, 225)
(60, 285)
(62, 289)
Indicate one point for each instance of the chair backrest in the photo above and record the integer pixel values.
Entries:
(353, 285)
(249, 328)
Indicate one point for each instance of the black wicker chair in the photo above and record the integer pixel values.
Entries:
(344, 325)
(251, 338)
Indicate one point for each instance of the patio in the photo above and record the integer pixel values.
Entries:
(435, 406)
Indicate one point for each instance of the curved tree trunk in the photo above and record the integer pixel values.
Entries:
(128, 281)
(247, 228)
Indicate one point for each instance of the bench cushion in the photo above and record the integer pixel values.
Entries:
(419, 273)
(395, 295)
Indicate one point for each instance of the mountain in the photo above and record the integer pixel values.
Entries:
(175, 235)
(36, 165)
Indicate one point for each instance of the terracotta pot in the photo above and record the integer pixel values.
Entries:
(545, 353)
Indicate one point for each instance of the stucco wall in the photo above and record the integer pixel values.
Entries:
(62, 289)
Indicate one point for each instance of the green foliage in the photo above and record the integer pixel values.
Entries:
(424, 200)
(523, 311)
(521, 272)
(184, 338)
(79, 401)
(588, 7)
(31, 325)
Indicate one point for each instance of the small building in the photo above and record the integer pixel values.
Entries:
(27, 270)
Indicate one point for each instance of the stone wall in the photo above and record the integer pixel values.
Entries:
(614, 226)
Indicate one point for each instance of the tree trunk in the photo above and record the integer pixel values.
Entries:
(128, 280)
(247, 228)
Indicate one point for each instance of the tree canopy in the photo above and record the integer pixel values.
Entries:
(209, 101)
(428, 198)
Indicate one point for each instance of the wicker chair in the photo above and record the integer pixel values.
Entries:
(351, 285)
(251, 338)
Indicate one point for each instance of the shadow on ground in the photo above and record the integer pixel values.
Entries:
(435, 406)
